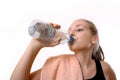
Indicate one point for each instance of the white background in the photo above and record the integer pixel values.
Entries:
(16, 15)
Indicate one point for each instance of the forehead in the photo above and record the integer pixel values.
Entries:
(79, 23)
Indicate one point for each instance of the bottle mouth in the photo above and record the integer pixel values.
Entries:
(71, 39)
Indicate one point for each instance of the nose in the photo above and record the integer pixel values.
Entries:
(71, 33)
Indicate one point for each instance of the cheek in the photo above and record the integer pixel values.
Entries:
(81, 41)
(84, 41)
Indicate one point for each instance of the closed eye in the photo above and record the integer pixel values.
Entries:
(80, 30)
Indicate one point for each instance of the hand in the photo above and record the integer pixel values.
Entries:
(48, 44)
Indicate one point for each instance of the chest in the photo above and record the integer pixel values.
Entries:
(90, 72)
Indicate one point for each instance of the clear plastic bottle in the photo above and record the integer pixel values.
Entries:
(47, 33)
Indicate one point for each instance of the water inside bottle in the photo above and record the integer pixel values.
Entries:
(64, 37)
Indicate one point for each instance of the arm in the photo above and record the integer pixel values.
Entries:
(111, 73)
(108, 71)
(22, 69)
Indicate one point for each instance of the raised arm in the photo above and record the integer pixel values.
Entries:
(22, 69)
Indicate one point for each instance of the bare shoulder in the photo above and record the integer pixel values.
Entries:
(50, 65)
(108, 71)
(55, 60)
(59, 58)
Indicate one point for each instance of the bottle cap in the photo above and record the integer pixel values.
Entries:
(71, 39)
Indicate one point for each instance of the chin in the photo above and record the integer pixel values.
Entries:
(72, 47)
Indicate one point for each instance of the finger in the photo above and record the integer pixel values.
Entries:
(55, 25)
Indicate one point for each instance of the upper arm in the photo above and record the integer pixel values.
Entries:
(50, 64)
(108, 71)
(111, 73)
(35, 75)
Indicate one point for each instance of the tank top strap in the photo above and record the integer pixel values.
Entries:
(100, 73)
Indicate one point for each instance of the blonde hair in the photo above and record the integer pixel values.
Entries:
(97, 51)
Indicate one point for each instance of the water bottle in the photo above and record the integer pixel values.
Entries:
(48, 34)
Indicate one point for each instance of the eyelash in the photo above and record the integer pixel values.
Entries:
(80, 30)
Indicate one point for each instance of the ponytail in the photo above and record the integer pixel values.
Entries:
(98, 54)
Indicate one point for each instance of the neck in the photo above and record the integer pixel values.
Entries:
(84, 58)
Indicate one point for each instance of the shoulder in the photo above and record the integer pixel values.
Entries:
(57, 59)
(108, 71)
(52, 63)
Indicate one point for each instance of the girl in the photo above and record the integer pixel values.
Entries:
(87, 62)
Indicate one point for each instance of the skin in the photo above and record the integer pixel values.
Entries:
(82, 46)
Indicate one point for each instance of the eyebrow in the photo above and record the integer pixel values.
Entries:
(77, 26)
(83, 26)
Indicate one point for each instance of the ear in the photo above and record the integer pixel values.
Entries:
(95, 39)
